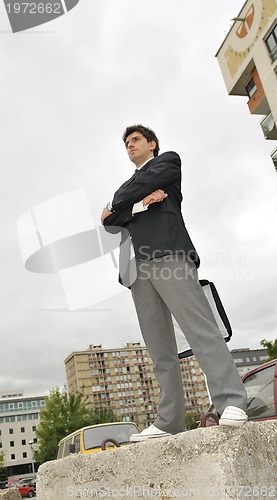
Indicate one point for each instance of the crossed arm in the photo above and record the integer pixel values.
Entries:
(165, 170)
(155, 197)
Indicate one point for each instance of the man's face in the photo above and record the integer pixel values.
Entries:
(139, 149)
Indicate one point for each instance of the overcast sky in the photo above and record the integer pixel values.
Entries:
(67, 91)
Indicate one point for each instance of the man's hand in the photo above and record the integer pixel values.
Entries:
(156, 196)
(105, 214)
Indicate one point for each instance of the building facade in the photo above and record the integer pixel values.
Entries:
(248, 61)
(123, 380)
(19, 419)
(246, 359)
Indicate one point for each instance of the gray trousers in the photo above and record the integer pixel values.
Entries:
(169, 285)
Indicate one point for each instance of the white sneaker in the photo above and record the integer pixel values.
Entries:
(233, 416)
(151, 432)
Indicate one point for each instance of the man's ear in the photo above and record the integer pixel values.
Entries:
(152, 145)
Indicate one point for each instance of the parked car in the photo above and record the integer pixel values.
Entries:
(261, 387)
(25, 491)
(28, 481)
(96, 438)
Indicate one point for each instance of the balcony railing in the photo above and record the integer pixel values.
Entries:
(274, 158)
(273, 53)
(269, 127)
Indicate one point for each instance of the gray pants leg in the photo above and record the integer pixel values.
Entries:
(170, 285)
(157, 330)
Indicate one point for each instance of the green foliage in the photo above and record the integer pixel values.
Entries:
(64, 413)
(191, 420)
(271, 347)
(103, 416)
(2, 461)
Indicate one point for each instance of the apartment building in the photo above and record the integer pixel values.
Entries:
(248, 61)
(123, 380)
(19, 419)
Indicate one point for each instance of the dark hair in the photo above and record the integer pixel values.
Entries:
(146, 132)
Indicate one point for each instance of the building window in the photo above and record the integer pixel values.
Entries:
(0, 445)
(263, 358)
(22, 429)
(34, 428)
(24, 454)
(10, 431)
(10, 419)
(251, 88)
(11, 443)
(23, 442)
(12, 456)
(271, 43)
(33, 416)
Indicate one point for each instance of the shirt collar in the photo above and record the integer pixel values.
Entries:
(138, 168)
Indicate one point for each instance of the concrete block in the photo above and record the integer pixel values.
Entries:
(10, 494)
(215, 462)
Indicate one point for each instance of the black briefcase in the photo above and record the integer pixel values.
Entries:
(219, 313)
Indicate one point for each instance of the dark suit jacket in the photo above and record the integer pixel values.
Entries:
(160, 230)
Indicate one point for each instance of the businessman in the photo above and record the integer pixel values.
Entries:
(149, 206)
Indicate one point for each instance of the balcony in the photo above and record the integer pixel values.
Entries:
(274, 158)
(269, 127)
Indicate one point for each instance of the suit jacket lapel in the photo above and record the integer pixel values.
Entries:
(136, 173)
(146, 166)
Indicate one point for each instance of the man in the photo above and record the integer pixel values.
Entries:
(149, 206)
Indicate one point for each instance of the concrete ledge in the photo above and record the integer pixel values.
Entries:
(10, 495)
(214, 462)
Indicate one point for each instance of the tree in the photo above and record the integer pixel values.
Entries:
(271, 347)
(191, 420)
(64, 413)
(2, 460)
(2, 463)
